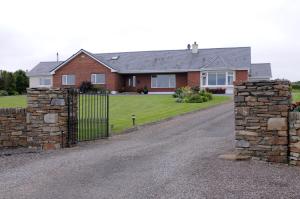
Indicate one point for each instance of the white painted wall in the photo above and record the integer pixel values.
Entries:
(34, 82)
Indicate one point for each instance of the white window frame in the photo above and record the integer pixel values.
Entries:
(66, 83)
(42, 81)
(134, 81)
(129, 81)
(94, 78)
(216, 72)
(154, 79)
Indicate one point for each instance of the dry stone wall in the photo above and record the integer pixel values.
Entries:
(13, 127)
(294, 138)
(261, 119)
(42, 125)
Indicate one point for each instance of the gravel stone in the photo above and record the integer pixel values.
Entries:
(173, 159)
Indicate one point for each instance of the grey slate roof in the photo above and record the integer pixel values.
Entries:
(166, 61)
(178, 60)
(261, 70)
(43, 68)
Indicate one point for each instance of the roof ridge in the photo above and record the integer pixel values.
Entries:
(50, 61)
(261, 63)
(170, 50)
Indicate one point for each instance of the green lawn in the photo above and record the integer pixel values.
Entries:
(13, 101)
(147, 108)
(150, 108)
(296, 95)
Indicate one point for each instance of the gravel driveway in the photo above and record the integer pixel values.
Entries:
(173, 159)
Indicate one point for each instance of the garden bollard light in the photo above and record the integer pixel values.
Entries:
(133, 119)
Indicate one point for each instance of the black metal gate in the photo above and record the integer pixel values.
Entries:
(88, 116)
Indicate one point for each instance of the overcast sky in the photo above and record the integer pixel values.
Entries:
(33, 31)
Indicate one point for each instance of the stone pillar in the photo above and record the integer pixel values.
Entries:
(261, 119)
(294, 123)
(47, 116)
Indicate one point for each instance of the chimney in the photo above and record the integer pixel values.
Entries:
(195, 48)
(57, 58)
(189, 46)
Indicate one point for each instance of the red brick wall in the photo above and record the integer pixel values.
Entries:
(82, 67)
(193, 78)
(145, 80)
(241, 75)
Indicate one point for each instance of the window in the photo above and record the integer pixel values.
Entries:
(129, 82)
(217, 78)
(212, 78)
(230, 78)
(98, 78)
(45, 81)
(163, 81)
(68, 80)
(204, 77)
(221, 78)
(133, 81)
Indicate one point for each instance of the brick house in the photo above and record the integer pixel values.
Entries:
(159, 71)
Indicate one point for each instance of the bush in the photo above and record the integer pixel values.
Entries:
(191, 95)
(195, 89)
(139, 90)
(3, 93)
(86, 86)
(177, 93)
(196, 98)
(296, 86)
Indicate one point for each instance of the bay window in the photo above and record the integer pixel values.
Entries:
(217, 78)
(230, 78)
(163, 81)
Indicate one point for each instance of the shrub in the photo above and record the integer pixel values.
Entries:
(86, 86)
(191, 95)
(177, 93)
(296, 86)
(139, 90)
(195, 89)
(195, 99)
(3, 93)
(145, 90)
(179, 100)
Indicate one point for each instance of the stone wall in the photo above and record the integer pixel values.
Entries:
(47, 117)
(261, 119)
(294, 138)
(13, 127)
(42, 125)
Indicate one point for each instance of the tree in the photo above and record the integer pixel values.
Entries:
(9, 82)
(22, 81)
(1, 81)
